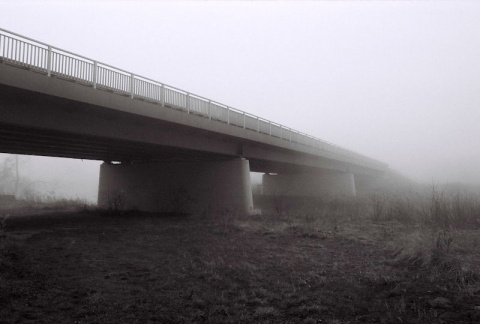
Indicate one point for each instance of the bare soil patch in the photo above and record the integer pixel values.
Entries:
(95, 268)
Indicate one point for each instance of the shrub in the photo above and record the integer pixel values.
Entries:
(457, 210)
(439, 209)
(3, 239)
(116, 200)
(3, 224)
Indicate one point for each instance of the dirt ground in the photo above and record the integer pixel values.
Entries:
(89, 267)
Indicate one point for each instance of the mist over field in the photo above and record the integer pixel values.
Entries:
(325, 238)
(51, 177)
(396, 81)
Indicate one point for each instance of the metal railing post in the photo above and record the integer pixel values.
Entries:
(162, 95)
(244, 121)
(290, 135)
(49, 61)
(258, 125)
(4, 46)
(132, 78)
(228, 115)
(94, 75)
(187, 103)
(270, 128)
(209, 109)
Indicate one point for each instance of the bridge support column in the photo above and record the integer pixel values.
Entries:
(180, 187)
(318, 184)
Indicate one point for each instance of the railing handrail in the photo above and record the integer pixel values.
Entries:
(96, 64)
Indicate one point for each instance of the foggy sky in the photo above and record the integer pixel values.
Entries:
(397, 81)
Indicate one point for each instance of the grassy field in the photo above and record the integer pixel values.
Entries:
(395, 259)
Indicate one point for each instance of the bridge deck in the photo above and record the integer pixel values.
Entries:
(62, 104)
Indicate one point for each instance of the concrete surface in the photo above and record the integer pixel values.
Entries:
(185, 187)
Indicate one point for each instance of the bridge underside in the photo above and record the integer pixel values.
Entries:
(46, 142)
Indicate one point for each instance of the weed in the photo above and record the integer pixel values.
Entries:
(116, 200)
(433, 251)
(228, 217)
(3, 237)
(3, 225)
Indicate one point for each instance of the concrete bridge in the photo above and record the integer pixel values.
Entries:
(160, 145)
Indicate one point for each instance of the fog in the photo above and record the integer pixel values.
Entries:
(395, 80)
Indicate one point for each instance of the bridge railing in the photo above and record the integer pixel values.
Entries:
(28, 53)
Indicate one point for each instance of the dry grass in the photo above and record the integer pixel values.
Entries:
(440, 232)
(436, 232)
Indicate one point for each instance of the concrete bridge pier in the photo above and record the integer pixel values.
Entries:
(318, 184)
(183, 187)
